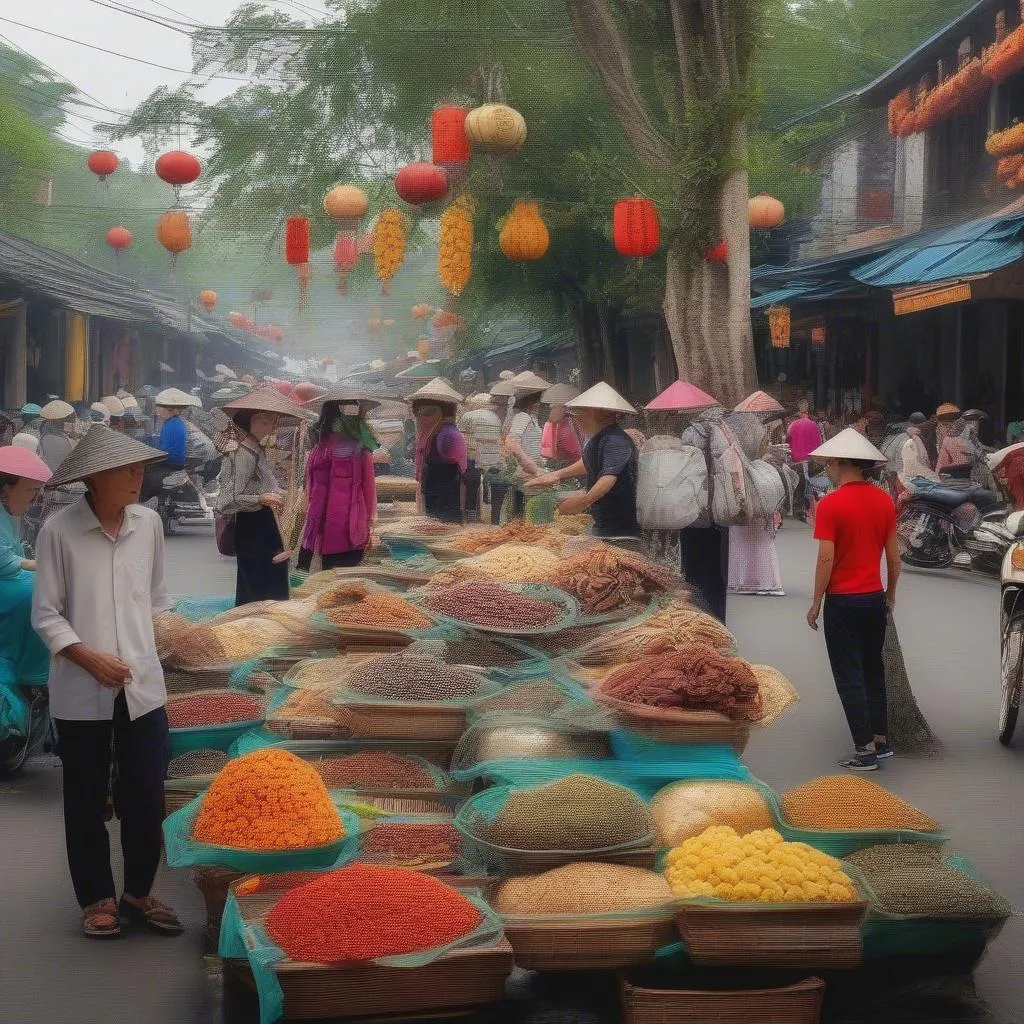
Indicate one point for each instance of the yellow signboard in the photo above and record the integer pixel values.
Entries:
(931, 298)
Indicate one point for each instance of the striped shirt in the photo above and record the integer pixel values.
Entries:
(482, 429)
(244, 476)
(526, 430)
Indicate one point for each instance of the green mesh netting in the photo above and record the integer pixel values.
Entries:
(199, 609)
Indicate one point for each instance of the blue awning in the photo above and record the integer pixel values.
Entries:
(803, 293)
(966, 250)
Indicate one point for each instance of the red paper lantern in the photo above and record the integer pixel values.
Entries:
(119, 238)
(718, 253)
(346, 257)
(208, 299)
(239, 320)
(421, 183)
(636, 228)
(178, 168)
(296, 241)
(103, 162)
(448, 136)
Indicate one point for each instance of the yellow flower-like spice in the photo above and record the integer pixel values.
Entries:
(455, 250)
(759, 867)
(268, 800)
(389, 245)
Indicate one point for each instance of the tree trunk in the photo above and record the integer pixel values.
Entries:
(707, 308)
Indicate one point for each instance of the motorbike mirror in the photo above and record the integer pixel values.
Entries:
(1015, 523)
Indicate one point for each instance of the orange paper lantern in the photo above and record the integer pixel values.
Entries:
(174, 232)
(208, 299)
(765, 212)
(524, 236)
(119, 238)
(346, 204)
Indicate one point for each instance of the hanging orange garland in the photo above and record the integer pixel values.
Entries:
(455, 249)
(389, 240)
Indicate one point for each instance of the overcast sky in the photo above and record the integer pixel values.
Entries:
(112, 80)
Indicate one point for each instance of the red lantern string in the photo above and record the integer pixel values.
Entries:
(346, 257)
(102, 163)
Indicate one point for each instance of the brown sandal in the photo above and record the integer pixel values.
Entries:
(101, 920)
(156, 916)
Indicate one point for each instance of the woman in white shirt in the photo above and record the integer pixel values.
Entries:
(523, 443)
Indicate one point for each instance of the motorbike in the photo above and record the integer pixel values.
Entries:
(18, 745)
(952, 525)
(1011, 630)
(179, 500)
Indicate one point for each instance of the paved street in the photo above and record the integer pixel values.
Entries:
(949, 637)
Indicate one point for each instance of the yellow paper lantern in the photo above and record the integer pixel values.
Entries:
(496, 128)
(524, 236)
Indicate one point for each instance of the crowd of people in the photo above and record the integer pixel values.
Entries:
(79, 609)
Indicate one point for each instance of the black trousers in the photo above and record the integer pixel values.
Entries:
(472, 478)
(704, 558)
(800, 497)
(854, 637)
(141, 750)
(257, 541)
(339, 560)
(153, 480)
(499, 488)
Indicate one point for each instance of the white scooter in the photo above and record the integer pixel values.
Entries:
(1011, 630)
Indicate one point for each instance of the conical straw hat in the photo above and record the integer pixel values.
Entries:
(437, 390)
(174, 398)
(56, 410)
(102, 449)
(16, 460)
(113, 405)
(849, 444)
(559, 394)
(267, 400)
(601, 396)
(681, 397)
(759, 401)
(344, 396)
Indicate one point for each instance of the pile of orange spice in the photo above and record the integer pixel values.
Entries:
(385, 611)
(268, 800)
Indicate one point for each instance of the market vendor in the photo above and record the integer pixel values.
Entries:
(24, 660)
(441, 457)
(608, 463)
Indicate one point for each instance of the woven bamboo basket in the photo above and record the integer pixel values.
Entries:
(587, 945)
(457, 984)
(175, 799)
(403, 722)
(214, 883)
(679, 726)
(815, 936)
(791, 1004)
(530, 862)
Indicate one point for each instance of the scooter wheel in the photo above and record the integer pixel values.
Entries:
(171, 526)
(13, 752)
(1012, 672)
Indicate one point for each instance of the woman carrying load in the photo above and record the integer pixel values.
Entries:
(441, 456)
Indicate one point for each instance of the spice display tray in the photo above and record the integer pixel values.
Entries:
(798, 1003)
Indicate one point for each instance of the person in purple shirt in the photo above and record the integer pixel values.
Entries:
(441, 456)
(804, 436)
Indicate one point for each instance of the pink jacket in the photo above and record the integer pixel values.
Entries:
(342, 493)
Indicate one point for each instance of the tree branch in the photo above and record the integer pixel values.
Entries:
(601, 41)
(715, 39)
(684, 38)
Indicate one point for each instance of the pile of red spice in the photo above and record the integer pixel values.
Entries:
(363, 911)
(215, 707)
(412, 844)
(374, 769)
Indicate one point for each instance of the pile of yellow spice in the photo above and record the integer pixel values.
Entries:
(759, 866)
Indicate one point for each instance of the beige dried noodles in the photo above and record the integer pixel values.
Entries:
(238, 640)
(583, 888)
(476, 542)
(607, 579)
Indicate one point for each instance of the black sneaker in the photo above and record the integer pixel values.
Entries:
(862, 761)
(883, 750)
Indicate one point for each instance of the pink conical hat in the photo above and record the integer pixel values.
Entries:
(759, 401)
(681, 397)
(18, 461)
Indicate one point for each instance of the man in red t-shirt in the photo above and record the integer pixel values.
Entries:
(854, 525)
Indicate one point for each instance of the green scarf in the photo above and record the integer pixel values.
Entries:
(354, 428)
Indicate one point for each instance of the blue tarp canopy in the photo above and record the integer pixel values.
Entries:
(977, 247)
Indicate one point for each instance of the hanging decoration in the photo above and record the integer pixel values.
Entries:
(718, 253)
(765, 212)
(346, 258)
(449, 144)
(1005, 57)
(346, 205)
(496, 128)
(174, 233)
(1010, 171)
(636, 228)
(178, 168)
(444, 320)
(374, 324)
(389, 246)
(208, 299)
(296, 252)
(455, 248)
(818, 335)
(102, 163)
(241, 321)
(779, 322)
(119, 238)
(421, 310)
(1007, 142)
(423, 348)
(421, 183)
(911, 112)
(524, 236)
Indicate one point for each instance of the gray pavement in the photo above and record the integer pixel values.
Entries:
(948, 630)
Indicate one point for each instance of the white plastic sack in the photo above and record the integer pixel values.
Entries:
(672, 484)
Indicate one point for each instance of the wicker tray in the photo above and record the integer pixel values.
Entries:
(814, 936)
(683, 727)
(791, 1004)
(175, 799)
(214, 883)
(402, 722)
(582, 945)
(454, 985)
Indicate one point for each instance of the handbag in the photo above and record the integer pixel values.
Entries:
(224, 529)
